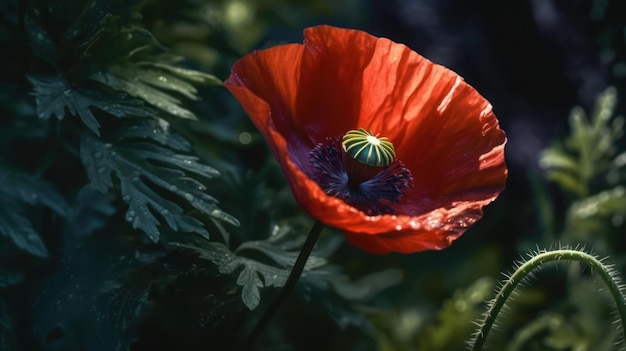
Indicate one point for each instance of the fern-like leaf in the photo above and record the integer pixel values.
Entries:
(145, 169)
(253, 274)
(54, 95)
(590, 149)
(131, 60)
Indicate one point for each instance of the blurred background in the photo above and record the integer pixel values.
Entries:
(116, 232)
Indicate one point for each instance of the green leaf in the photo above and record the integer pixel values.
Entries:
(137, 64)
(189, 74)
(125, 80)
(590, 150)
(253, 274)
(54, 95)
(18, 189)
(144, 170)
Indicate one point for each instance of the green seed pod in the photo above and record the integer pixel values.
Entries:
(368, 149)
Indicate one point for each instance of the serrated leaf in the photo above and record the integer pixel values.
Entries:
(252, 274)
(54, 95)
(140, 167)
(250, 284)
(137, 64)
(189, 74)
(157, 130)
(151, 95)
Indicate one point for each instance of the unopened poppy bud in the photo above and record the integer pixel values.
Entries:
(368, 149)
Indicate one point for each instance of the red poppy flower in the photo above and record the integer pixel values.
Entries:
(449, 149)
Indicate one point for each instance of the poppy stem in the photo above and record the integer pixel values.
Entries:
(290, 284)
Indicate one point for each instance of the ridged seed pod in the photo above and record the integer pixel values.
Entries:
(368, 149)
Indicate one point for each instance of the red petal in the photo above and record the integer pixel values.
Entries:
(444, 131)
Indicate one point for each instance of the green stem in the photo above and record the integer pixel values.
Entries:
(606, 273)
(290, 284)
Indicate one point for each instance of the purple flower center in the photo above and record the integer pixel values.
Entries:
(370, 189)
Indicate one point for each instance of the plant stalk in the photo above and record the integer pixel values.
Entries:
(286, 290)
(609, 277)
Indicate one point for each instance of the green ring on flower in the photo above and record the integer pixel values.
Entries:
(368, 149)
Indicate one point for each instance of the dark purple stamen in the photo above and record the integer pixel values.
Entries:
(374, 196)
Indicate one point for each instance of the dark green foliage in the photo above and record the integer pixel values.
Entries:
(54, 95)
(19, 194)
(590, 151)
(131, 60)
(590, 166)
(145, 157)
(126, 169)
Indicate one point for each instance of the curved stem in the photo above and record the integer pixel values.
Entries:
(606, 273)
(290, 284)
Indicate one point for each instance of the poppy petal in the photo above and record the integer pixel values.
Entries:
(445, 132)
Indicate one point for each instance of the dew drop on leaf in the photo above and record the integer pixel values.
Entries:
(189, 197)
(102, 170)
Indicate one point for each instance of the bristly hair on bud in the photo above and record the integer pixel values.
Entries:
(525, 269)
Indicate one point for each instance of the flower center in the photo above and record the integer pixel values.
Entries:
(368, 149)
(361, 169)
